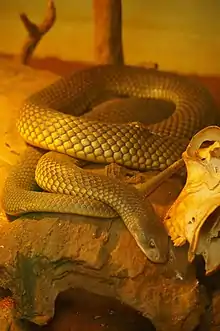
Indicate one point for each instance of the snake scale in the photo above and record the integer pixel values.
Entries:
(45, 122)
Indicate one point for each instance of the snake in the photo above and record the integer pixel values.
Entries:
(53, 123)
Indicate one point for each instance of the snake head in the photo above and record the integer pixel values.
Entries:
(156, 249)
(152, 237)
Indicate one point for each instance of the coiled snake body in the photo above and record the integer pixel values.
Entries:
(45, 122)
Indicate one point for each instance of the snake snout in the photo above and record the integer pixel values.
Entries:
(155, 249)
(161, 250)
(155, 255)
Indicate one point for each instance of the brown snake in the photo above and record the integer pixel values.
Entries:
(45, 122)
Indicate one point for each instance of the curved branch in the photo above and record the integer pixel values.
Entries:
(36, 32)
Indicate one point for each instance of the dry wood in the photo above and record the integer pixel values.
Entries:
(36, 32)
(108, 31)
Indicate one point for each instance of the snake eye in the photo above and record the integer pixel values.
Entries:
(152, 243)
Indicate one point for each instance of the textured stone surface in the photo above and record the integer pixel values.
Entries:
(43, 255)
(216, 311)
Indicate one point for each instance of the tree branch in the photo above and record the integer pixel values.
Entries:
(108, 31)
(36, 32)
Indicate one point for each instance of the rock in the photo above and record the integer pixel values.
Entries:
(7, 321)
(42, 255)
(51, 253)
(216, 311)
(209, 241)
(80, 310)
